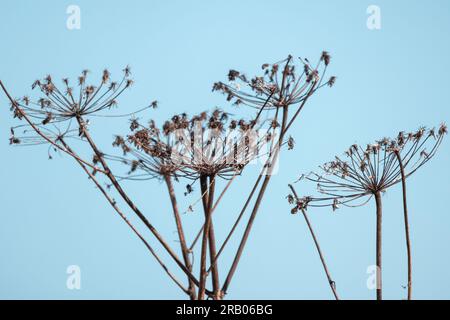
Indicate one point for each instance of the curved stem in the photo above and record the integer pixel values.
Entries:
(379, 245)
(405, 214)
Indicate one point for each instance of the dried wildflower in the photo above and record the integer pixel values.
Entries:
(369, 172)
(59, 104)
(193, 147)
(277, 87)
(374, 168)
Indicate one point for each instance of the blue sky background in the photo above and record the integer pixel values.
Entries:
(391, 79)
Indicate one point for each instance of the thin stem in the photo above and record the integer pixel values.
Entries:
(203, 274)
(405, 213)
(379, 245)
(208, 210)
(316, 242)
(181, 237)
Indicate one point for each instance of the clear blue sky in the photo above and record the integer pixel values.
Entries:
(392, 79)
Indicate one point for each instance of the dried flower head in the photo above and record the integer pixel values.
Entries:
(282, 84)
(207, 144)
(374, 168)
(60, 103)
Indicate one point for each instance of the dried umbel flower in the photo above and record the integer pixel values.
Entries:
(374, 168)
(282, 84)
(370, 171)
(60, 103)
(208, 144)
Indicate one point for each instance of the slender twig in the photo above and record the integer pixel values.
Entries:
(379, 214)
(181, 237)
(208, 210)
(205, 240)
(316, 242)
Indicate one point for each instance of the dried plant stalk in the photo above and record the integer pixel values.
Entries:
(405, 216)
(316, 242)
